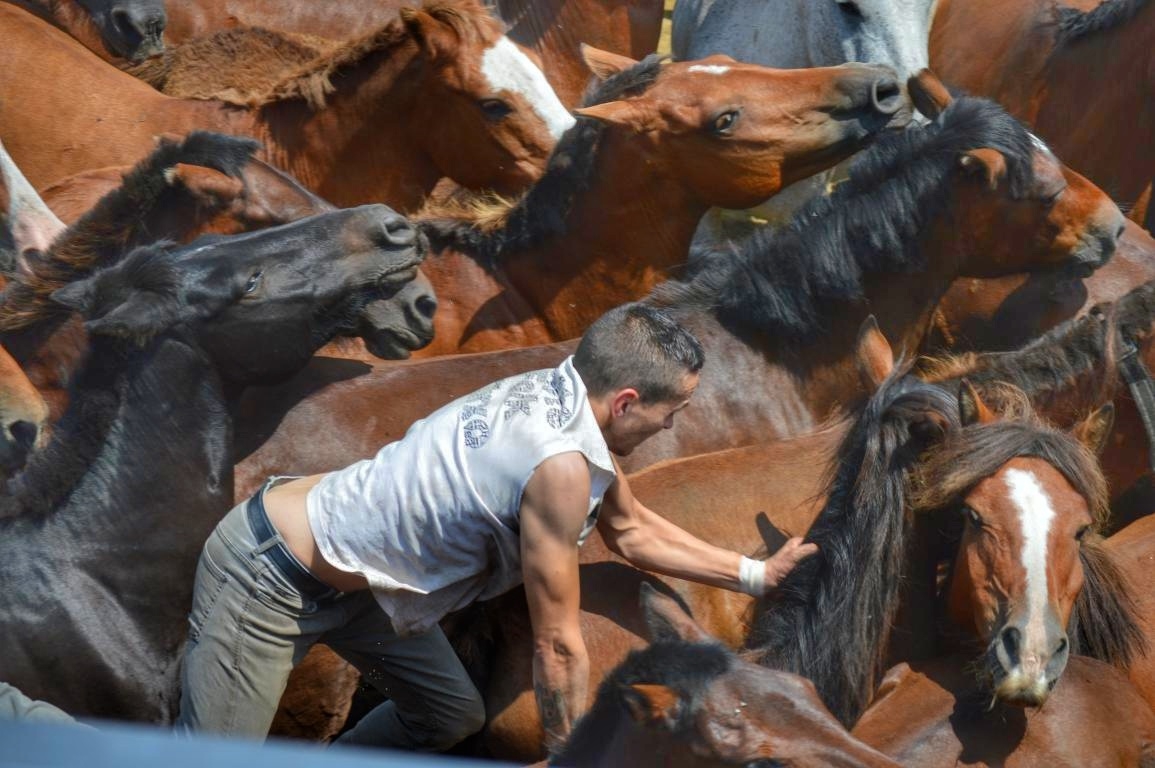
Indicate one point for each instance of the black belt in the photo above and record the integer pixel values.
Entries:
(308, 584)
(1142, 388)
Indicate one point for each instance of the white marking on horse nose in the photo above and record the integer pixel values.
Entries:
(709, 69)
(1035, 516)
(506, 68)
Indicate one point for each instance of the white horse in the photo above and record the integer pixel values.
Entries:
(792, 34)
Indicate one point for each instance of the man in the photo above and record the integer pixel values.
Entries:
(498, 487)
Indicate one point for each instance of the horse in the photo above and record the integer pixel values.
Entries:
(802, 33)
(686, 700)
(475, 109)
(777, 318)
(1062, 68)
(1131, 550)
(112, 29)
(658, 143)
(23, 415)
(185, 188)
(932, 714)
(104, 526)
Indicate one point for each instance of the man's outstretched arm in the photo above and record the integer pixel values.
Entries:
(651, 542)
(553, 509)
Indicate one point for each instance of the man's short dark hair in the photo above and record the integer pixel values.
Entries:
(640, 346)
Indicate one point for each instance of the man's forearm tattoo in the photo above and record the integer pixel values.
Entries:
(551, 704)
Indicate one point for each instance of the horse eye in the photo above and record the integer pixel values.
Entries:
(849, 8)
(1082, 532)
(973, 517)
(723, 124)
(254, 281)
(494, 109)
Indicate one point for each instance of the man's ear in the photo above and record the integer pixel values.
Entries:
(624, 400)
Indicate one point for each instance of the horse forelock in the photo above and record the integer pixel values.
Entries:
(687, 668)
(1075, 24)
(778, 282)
(828, 618)
(101, 235)
(485, 227)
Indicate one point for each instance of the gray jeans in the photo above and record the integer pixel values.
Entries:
(250, 625)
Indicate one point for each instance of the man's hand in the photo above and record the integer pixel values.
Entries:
(779, 566)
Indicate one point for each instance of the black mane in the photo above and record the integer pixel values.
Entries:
(541, 213)
(687, 668)
(779, 281)
(1075, 24)
(830, 618)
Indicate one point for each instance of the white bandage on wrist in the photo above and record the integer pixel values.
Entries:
(752, 576)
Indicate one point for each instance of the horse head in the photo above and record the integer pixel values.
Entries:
(1029, 499)
(257, 304)
(131, 29)
(688, 701)
(734, 134)
(1020, 208)
(487, 116)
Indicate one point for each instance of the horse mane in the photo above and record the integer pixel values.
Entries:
(687, 668)
(1080, 353)
(487, 227)
(118, 220)
(238, 66)
(777, 283)
(828, 619)
(1075, 24)
(311, 80)
(1104, 624)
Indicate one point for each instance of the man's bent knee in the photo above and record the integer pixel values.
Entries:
(450, 726)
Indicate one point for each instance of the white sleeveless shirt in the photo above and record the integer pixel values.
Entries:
(432, 520)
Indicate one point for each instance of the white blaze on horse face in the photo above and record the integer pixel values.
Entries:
(1035, 516)
(709, 69)
(508, 69)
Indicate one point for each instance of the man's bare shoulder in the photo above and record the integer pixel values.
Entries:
(560, 483)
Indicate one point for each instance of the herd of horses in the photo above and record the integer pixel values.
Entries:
(228, 223)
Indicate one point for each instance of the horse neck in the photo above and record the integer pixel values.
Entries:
(1090, 82)
(625, 233)
(359, 148)
(122, 446)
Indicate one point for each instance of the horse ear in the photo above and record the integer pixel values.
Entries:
(874, 356)
(626, 114)
(971, 408)
(436, 39)
(209, 186)
(667, 621)
(141, 317)
(75, 296)
(987, 162)
(652, 704)
(603, 63)
(1094, 430)
(32, 225)
(929, 95)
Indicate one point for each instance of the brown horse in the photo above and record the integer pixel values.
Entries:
(779, 318)
(1133, 550)
(932, 715)
(1070, 70)
(552, 29)
(439, 92)
(686, 701)
(624, 190)
(23, 416)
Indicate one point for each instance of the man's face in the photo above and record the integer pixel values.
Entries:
(634, 421)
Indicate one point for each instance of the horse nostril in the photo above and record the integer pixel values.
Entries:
(24, 433)
(1010, 639)
(886, 95)
(397, 230)
(426, 305)
(1062, 648)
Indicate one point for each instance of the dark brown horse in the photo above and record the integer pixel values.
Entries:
(1071, 70)
(624, 190)
(687, 701)
(439, 92)
(103, 528)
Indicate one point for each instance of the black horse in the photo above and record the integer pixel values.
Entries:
(100, 534)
